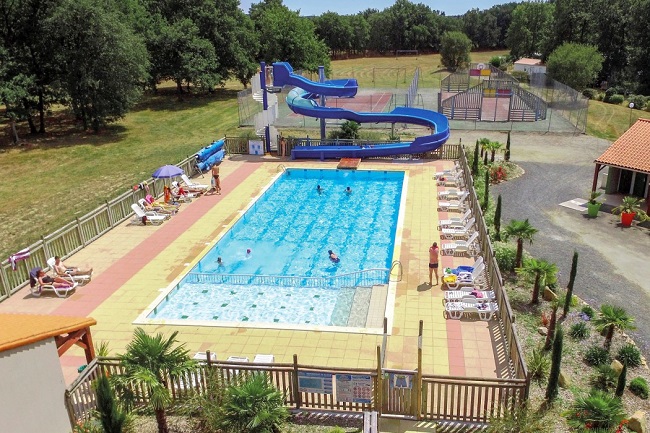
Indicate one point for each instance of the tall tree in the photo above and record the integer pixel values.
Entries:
(575, 65)
(640, 46)
(531, 28)
(521, 231)
(569, 287)
(148, 362)
(542, 272)
(497, 220)
(454, 50)
(556, 364)
(102, 63)
(507, 152)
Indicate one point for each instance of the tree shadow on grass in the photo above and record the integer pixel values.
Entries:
(167, 99)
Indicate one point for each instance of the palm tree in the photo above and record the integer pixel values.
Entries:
(522, 231)
(611, 318)
(147, 362)
(254, 406)
(493, 147)
(541, 271)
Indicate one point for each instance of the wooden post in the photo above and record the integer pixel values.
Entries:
(594, 184)
(46, 250)
(111, 221)
(296, 388)
(418, 377)
(379, 391)
(208, 355)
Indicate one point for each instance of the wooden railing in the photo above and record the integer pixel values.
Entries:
(420, 396)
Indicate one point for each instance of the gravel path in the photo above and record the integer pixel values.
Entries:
(613, 262)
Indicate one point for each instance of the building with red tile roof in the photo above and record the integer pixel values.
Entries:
(628, 159)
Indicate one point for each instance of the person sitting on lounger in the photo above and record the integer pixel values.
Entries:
(162, 205)
(37, 276)
(63, 269)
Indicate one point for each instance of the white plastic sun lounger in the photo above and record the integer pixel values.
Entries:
(143, 205)
(463, 232)
(459, 206)
(191, 185)
(459, 295)
(451, 194)
(152, 218)
(448, 172)
(453, 180)
(468, 247)
(454, 222)
(468, 306)
(81, 279)
(473, 279)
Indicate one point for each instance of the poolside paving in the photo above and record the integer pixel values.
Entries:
(134, 263)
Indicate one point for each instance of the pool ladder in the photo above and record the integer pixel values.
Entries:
(282, 168)
(397, 267)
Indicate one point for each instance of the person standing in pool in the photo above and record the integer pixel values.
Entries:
(319, 189)
(220, 262)
(348, 190)
(434, 252)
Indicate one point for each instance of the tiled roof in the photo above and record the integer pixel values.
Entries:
(527, 61)
(631, 150)
(23, 329)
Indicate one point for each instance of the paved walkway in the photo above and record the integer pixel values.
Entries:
(134, 263)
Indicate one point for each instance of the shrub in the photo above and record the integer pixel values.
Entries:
(630, 355)
(639, 101)
(615, 99)
(590, 93)
(496, 61)
(639, 387)
(604, 378)
(597, 355)
(521, 76)
(337, 429)
(497, 174)
(610, 92)
(595, 410)
(539, 364)
(588, 311)
(579, 331)
(521, 420)
(506, 255)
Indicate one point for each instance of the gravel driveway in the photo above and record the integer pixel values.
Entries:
(613, 264)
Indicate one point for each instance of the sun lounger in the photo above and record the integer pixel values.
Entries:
(449, 172)
(264, 359)
(459, 295)
(463, 232)
(38, 289)
(476, 278)
(194, 186)
(451, 194)
(144, 205)
(146, 217)
(455, 222)
(453, 180)
(468, 247)
(468, 306)
(81, 279)
(458, 206)
(460, 269)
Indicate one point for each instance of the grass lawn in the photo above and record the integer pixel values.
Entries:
(610, 121)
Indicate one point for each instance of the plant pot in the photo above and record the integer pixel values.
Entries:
(592, 209)
(626, 218)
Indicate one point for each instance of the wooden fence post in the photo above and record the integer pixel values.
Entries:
(418, 378)
(111, 220)
(296, 387)
(46, 248)
(379, 390)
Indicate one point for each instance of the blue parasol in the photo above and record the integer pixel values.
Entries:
(166, 172)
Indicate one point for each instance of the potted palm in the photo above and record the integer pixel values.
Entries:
(629, 208)
(593, 204)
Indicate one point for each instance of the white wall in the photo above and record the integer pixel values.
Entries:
(531, 69)
(32, 390)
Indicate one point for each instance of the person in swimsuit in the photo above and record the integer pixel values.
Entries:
(333, 257)
(319, 189)
(433, 262)
(63, 269)
(216, 183)
(348, 190)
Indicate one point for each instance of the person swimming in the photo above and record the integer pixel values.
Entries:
(348, 190)
(219, 262)
(248, 252)
(319, 189)
(333, 257)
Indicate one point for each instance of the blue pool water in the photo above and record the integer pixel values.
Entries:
(289, 230)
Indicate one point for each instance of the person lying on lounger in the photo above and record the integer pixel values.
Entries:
(63, 269)
(38, 276)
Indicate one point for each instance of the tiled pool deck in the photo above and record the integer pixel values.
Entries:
(133, 263)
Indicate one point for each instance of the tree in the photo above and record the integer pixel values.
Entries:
(575, 65)
(475, 160)
(147, 362)
(609, 319)
(556, 363)
(552, 322)
(542, 272)
(112, 418)
(497, 220)
(486, 193)
(454, 50)
(620, 384)
(102, 63)
(507, 153)
(522, 231)
(530, 30)
(569, 288)
(493, 147)
(254, 406)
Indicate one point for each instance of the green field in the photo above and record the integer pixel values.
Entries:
(611, 121)
(52, 179)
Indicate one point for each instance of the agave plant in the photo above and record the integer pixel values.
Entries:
(631, 204)
(597, 409)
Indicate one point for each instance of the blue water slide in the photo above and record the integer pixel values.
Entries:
(302, 100)
(283, 76)
(209, 150)
(212, 160)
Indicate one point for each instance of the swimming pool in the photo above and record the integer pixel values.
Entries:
(287, 277)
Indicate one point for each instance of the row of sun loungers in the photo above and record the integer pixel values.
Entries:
(467, 291)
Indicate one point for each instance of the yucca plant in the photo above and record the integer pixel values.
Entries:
(604, 378)
(579, 331)
(597, 409)
(629, 355)
(539, 364)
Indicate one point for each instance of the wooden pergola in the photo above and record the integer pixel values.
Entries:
(628, 159)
